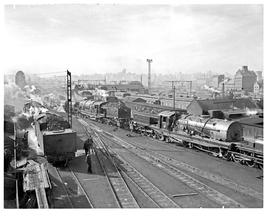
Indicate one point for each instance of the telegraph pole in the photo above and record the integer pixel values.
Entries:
(173, 88)
(69, 99)
(149, 74)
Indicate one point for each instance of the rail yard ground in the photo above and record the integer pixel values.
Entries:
(130, 170)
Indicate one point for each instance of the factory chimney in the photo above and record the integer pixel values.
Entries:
(149, 74)
(223, 89)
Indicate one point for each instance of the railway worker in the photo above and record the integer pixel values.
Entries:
(131, 127)
(88, 161)
(88, 145)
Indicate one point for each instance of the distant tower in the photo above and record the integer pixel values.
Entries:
(259, 75)
(149, 74)
(20, 79)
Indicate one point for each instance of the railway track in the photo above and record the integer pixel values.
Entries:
(119, 188)
(156, 196)
(175, 168)
(207, 175)
(75, 194)
(205, 190)
(181, 165)
(160, 199)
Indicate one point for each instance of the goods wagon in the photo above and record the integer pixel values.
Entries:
(148, 114)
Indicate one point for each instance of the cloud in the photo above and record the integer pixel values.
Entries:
(106, 38)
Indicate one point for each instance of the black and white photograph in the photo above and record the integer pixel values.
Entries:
(130, 105)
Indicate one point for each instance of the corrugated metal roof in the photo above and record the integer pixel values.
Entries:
(166, 113)
(221, 104)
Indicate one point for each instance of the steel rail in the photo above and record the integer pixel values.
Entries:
(66, 189)
(64, 186)
(207, 191)
(81, 187)
(118, 185)
(207, 175)
(154, 193)
(124, 195)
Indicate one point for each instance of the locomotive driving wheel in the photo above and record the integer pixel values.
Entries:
(236, 159)
(167, 139)
(161, 137)
(260, 166)
(250, 162)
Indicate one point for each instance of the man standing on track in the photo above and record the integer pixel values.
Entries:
(88, 145)
(88, 160)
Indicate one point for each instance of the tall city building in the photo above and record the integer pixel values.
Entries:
(217, 79)
(259, 75)
(245, 79)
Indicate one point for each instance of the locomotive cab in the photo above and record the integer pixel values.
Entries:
(166, 120)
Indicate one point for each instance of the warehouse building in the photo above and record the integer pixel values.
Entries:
(203, 106)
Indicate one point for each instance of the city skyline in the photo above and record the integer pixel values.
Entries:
(88, 39)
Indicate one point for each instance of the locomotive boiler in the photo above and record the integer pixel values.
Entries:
(218, 129)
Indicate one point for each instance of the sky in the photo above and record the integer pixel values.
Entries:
(99, 38)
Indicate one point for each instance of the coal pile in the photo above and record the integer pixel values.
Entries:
(54, 122)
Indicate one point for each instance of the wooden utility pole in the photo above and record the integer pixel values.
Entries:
(15, 165)
(173, 88)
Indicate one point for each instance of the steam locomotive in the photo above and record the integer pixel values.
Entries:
(220, 137)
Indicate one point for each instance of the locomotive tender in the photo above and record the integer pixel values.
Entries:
(58, 142)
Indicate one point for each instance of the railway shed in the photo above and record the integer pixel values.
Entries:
(252, 127)
(202, 107)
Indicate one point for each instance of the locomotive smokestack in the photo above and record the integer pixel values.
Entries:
(149, 74)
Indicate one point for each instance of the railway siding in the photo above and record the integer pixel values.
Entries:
(160, 198)
(210, 193)
(75, 192)
(174, 167)
(119, 187)
(210, 176)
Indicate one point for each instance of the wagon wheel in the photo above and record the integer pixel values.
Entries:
(161, 137)
(185, 143)
(226, 155)
(167, 139)
(236, 159)
(251, 162)
(260, 166)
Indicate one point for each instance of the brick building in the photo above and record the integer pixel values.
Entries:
(245, 79)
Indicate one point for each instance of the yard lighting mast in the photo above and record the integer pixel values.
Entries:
(149, 74)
